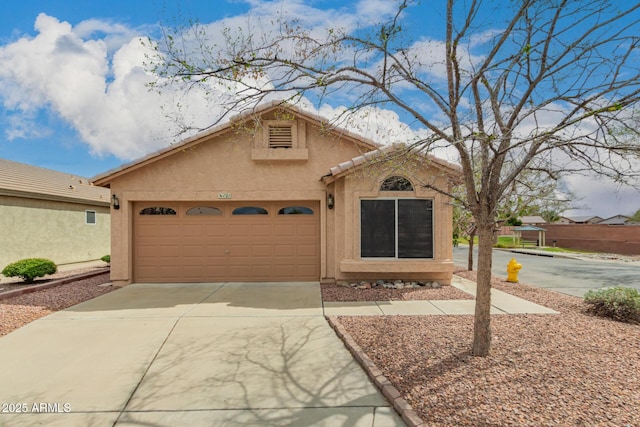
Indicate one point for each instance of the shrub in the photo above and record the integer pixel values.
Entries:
(30, 268)
(107, 259)
(618, 303)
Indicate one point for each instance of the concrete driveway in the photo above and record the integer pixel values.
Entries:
(187, 355)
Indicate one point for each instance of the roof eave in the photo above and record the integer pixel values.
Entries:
(54, 198)
(350, 166)
(104, 179)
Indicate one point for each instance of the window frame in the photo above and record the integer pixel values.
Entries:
(396, 230)
(395, 179)
(86, 217)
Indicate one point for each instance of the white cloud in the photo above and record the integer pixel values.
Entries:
(600, 197)
(103, 97)
(92, 76)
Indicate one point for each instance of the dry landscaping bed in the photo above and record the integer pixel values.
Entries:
(335, 292)
(570, 369)
(17, 311)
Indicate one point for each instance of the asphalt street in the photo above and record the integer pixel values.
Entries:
(565, 275)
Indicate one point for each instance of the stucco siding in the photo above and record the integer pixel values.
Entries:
(234, 164)
(365, 184)
(223, 164)
(50, 229)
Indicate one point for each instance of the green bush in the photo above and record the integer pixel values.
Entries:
(107, 259)
(30, 268)
(619, 303)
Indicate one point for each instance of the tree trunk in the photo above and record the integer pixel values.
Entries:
(472, 237)
(482, 325)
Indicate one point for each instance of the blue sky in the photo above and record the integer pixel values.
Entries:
(55, 143)
(73, 95)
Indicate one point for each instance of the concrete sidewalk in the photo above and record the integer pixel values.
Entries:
(501, 303)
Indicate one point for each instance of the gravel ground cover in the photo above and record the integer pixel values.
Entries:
(570, 369)
(333, 292)
(9, 283)
(17, 311)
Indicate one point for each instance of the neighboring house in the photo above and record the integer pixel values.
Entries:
(585, 219)
(617, 220)
(50, 214)
(278, 196)
(532, 220)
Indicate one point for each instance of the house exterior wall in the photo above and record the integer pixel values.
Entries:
(55, 230)
(365, 185)
(235, 165)
(227, 165)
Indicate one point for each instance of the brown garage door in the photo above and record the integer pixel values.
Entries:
(230, 242)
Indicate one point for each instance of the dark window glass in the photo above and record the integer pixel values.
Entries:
(90, 217)
(250, 210)
(400, 228)
(396, 183)
(377, 228)
(157, 210)
(295, 210)
(204, 210)
(415, 229)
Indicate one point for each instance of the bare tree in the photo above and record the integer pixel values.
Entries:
(511, 87)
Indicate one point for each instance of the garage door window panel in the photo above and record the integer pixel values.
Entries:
(204, 211)
(250, 210)
(396, 228)
(295, 210)
(158, 210)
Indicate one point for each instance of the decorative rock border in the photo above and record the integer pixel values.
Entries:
(396, 284)
(52, 284)
(402, 407)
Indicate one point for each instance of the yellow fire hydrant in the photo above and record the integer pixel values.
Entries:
(512, 270)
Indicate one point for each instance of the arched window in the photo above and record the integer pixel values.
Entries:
(295, 210)
(157, 210)
(250, 210)
(204, 210)
(396, 183)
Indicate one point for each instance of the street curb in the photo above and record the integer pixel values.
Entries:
(538, 253)
(390, 392)
(52, 284)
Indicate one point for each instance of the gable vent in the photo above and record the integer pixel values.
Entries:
(280, 137)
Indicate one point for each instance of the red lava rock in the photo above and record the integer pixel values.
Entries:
(567, 369)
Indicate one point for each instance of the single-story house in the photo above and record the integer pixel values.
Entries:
(532, 220)
(278, 195)
(616, 220)
(51, 214)
(584, 219)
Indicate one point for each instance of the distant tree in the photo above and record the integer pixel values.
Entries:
(512, 87)
(550, 216)
(532, 193)
(513, 221)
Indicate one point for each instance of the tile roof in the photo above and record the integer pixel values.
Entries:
(22, 180)
(349, 165)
